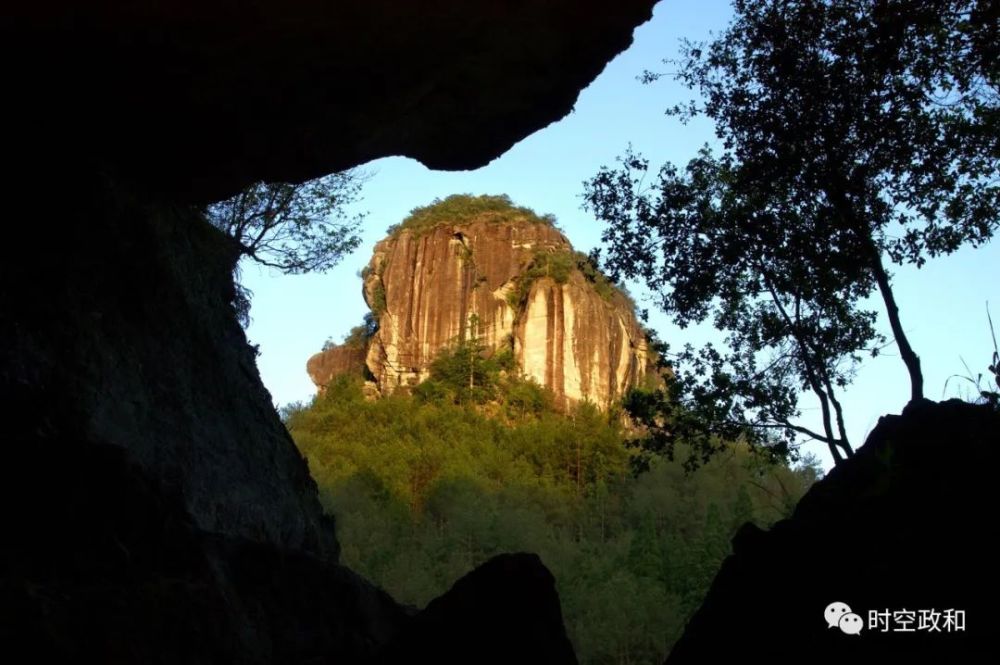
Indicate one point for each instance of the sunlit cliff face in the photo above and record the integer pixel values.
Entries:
(426, 286)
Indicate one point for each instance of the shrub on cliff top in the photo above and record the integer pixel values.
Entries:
(358, 336)
(459, 208)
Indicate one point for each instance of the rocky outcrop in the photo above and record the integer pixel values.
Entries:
(200, 98)
(154, 507)
(902, 526)
(337, 360)
(474, 621)
(518, 280)
(121, 333)
(106, 566)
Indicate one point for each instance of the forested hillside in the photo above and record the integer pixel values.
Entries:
(426, 486)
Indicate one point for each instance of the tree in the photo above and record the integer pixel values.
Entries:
(465, 372)
(295, 228)
(706, 250)
(851, 131)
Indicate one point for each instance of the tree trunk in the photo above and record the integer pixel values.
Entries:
(838, 195)
(910, 358)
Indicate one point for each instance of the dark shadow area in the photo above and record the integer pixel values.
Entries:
(905, 524)
(204, 98)
(459, 627)
(154, 507)
(105, 567)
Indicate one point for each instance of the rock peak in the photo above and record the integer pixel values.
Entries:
(512, 272)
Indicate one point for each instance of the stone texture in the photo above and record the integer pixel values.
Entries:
(337, 360)
(581, 346)
(424, 287)
(431, 284)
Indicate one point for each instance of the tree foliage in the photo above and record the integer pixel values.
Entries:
(468, 371)
(425, 490)
(460, 208)
(295, 228)
(358, 336)
(850, 130)
(558, 265)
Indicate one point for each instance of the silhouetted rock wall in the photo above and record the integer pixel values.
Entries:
(119, 333)
(108, 567)
(907, 524)
(154, 507)
(505, 611)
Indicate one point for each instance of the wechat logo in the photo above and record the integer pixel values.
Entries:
(839, 615)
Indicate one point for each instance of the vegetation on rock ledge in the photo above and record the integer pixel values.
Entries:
(464, 208)
(559, 265)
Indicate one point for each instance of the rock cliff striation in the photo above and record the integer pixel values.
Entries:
(519, 282)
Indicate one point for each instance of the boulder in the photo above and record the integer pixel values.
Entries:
(902, 528)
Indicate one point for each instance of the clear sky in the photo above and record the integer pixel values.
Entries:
(943, 305)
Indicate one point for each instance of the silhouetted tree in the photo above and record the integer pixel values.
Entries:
(295, 228)
(851, 131)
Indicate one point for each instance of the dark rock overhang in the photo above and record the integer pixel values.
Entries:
(198, 98)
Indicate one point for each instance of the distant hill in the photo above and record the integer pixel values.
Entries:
(481, 267)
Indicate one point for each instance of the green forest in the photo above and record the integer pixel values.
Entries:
(478, 461)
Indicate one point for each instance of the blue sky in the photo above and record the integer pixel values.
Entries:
(943, 305)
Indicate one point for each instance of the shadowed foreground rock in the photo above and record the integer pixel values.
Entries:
(909, 523)
(106, 567)
(505, 611)
(154, 508)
